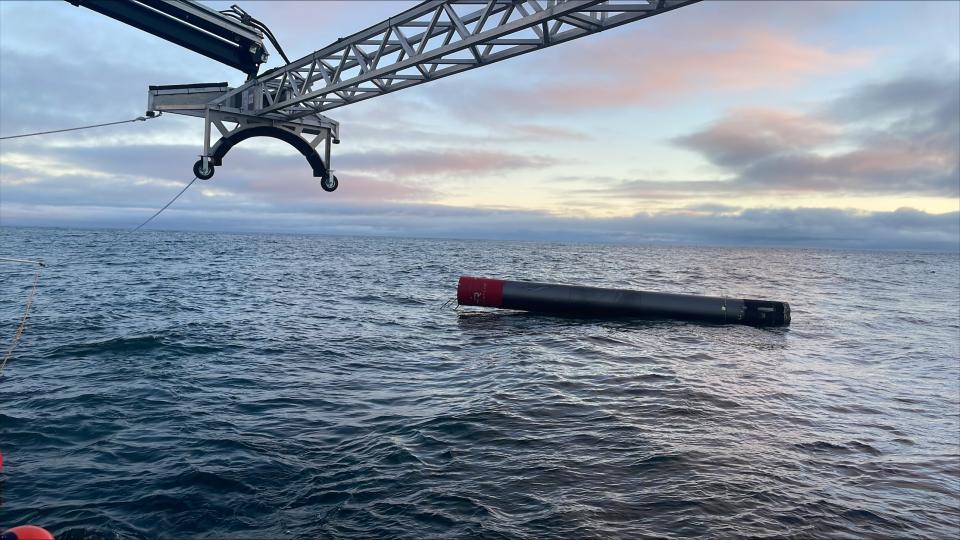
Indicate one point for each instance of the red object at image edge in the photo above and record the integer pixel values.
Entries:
(26, 532)
(475, 291)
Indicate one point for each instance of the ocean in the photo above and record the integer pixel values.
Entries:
(204, 385)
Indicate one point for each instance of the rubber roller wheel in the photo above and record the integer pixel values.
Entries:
(329, 183)
(200, 173)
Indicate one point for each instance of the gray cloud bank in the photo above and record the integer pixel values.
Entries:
(896, 136)
(904, 229)
(265, 192)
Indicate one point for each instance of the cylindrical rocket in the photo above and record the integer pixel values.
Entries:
(598, 302)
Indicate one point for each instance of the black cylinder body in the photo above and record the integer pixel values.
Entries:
(599, 302)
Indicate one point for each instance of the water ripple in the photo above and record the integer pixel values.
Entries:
(214, 385)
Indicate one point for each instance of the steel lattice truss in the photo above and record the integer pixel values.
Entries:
(432, 40)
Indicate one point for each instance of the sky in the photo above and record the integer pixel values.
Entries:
(807, 124)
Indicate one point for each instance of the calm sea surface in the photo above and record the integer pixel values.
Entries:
(256, 386)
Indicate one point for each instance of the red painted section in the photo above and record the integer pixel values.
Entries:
(476, 291)
(29, 532)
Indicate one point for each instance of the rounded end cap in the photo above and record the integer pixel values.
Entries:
(475, 291)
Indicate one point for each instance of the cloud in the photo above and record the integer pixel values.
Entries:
(32, 99)
(406, 119)
(749, 135)
(56, 75)
(711, 208)
(440, 162)
(656, 65)
(124, 174)
(872, 170)
(540, 132)
(722, 59)
(660, 189)
(804, 227)
(932, 94)
(303, 27)
(898, 136)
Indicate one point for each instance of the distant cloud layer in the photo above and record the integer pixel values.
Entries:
(807, 227)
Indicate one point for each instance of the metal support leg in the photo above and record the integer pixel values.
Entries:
(326, 150)
(206, 136)
(203, 168)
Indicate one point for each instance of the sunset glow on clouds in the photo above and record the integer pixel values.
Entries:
(793, 123)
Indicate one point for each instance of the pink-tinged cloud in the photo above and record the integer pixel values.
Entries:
(896, 145)
(640, 68)
(251, 175)
(902, 137)
(619, 73)
(383, 130)
(427, 163)
(353, 186)
(538, 132)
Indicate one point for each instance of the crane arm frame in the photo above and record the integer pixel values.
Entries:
(434, 39)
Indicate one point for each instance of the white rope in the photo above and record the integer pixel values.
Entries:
(26, 311)
(166, 205)
(137, 119)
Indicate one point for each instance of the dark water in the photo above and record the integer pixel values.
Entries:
(234, 386)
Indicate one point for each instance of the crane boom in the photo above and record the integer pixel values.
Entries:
(191, 25)
(432, 40)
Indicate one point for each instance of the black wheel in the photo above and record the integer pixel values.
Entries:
(329, 183)
(200, 173)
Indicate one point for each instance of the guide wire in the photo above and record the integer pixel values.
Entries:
(166, 205)
(26, 311)
(137, 119)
